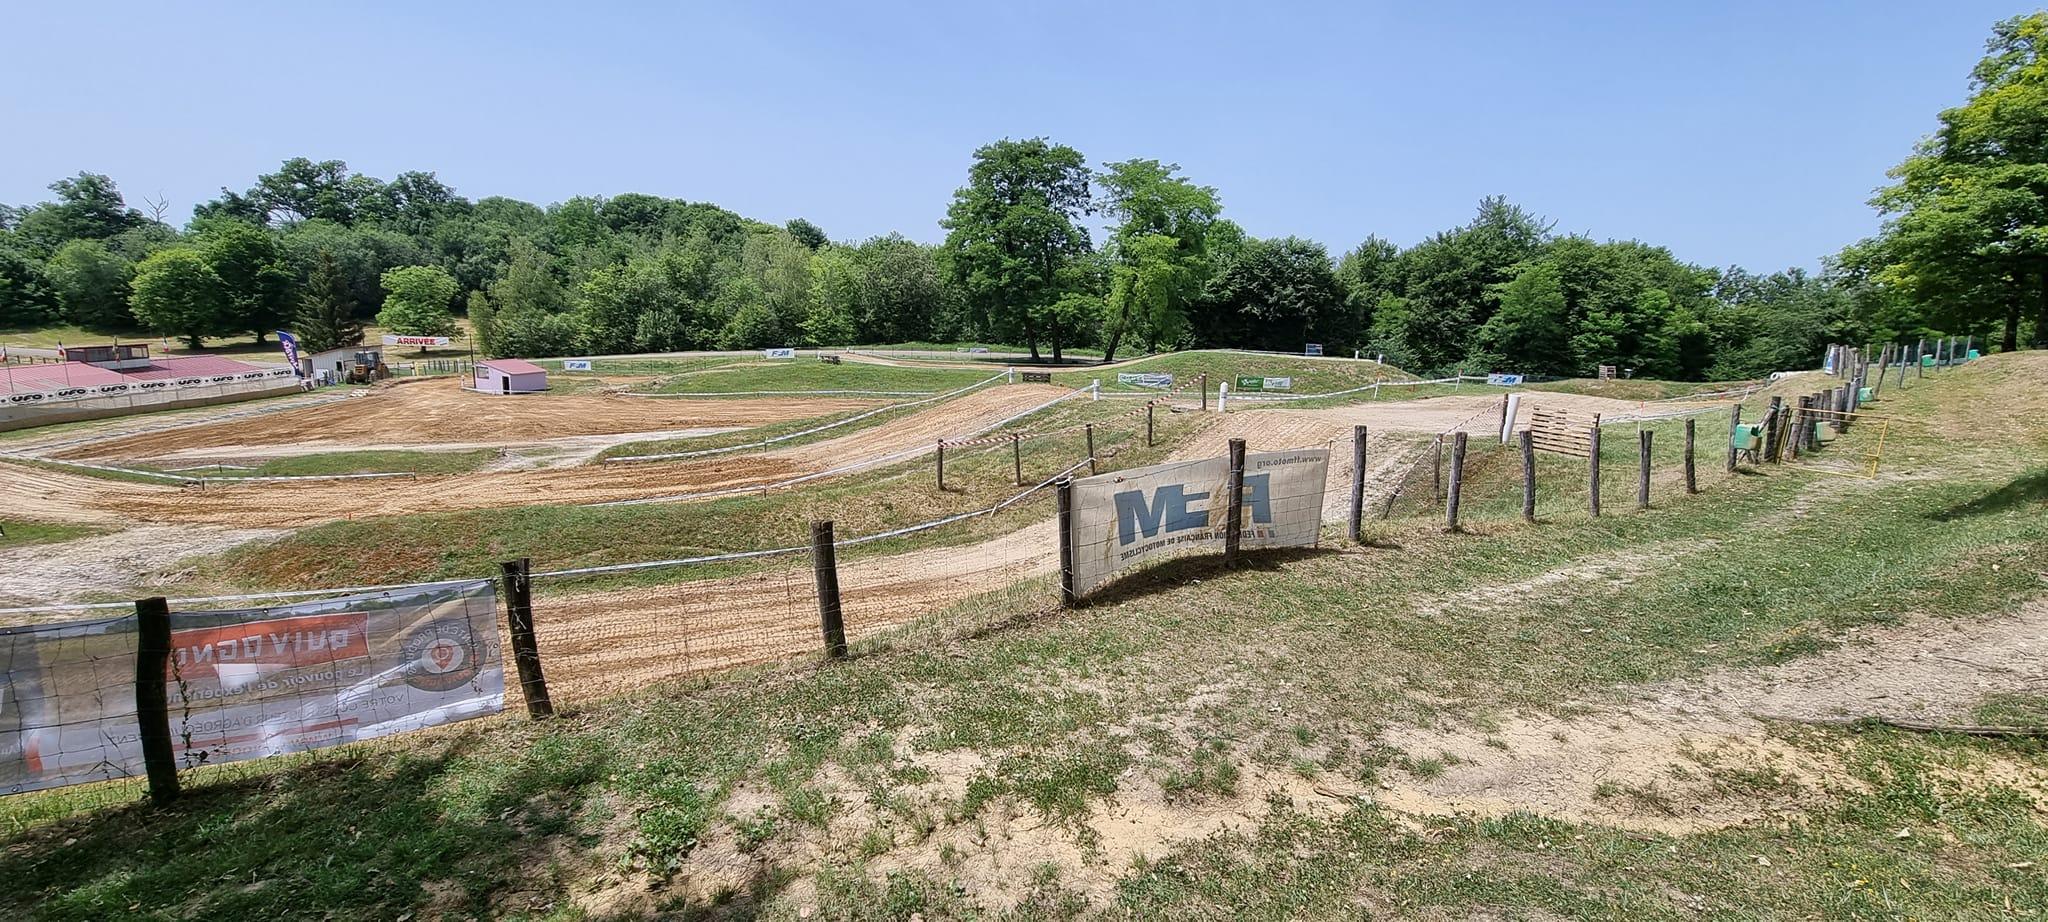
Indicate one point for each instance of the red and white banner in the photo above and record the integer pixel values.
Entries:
(248, 683)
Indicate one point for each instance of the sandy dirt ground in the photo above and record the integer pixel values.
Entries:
(77, 571)
(1655, 757)
(39, 493)
(411, 413)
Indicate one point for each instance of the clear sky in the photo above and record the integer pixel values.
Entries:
(1734, 132)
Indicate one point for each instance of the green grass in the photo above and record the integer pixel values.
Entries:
(1206, 684)
(1311, 375)
(365, 462)
(22, 533)
(809, 374)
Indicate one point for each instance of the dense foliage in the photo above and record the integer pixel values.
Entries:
(319, 248)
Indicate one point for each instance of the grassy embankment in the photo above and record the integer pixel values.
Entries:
(985, 775)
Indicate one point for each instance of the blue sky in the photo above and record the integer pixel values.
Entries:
(1733, 132)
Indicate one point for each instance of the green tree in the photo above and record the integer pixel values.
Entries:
(88, 207)
(91, 284)
(810, 235)
(1531, 331)
(258, 283)
(416, 301)
(1967, 227)
(1159, 250)
(1274, 294)
(1011, 230)
(838, 292)
(176, 292)
(327, 311)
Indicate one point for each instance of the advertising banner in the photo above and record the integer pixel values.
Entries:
(1313, 349)
(290, 345)
(1500, 380)
(785, 353)
(575, 364)
(1261, 383)
(247, 683)
(392, 340)
(1145, 379)
(1125, 519)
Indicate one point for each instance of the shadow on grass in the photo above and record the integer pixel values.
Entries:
(2027, 489)
(357, 834)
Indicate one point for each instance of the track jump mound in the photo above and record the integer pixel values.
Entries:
(423, 413)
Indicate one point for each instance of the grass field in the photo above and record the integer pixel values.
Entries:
(1311, 376)
(1201, 743)
(17, 533)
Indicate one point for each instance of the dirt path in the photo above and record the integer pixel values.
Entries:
(439, 411)
(1700, 753)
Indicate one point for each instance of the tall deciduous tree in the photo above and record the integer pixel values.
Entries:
(416, 301)
(253, 273)
(91, 284)
(1159, 250)
(1011, 230)
(177, 293)
(1968, 228)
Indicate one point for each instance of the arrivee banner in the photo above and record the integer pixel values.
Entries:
(247, 683)
(392, 340)
(1125, 519)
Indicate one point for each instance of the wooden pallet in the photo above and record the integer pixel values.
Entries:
(1562, 432)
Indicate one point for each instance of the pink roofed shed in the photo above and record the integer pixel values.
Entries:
(510, 376)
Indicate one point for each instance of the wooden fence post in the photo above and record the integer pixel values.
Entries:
(1593, 469)
(1457, 481)
(1017, 456)
(1204, 388)
(1358, 434)
(1088, 429)
(533, 683)
(1148, 424)
(1233, 520)
(1734, 424)
(1065, 491)
(1919, 354)
(825, 567)
(1643, 468)
(1692, 480)
(1771, 422)
(152, 697)
(1528, 475)
(939, 465)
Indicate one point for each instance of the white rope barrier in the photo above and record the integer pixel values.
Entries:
(698, 453)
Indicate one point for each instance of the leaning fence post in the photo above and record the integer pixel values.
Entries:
(939, 465)
(1795, 442)
(1065, 491)
(1233, 520)
(1593, 469)
(1457, 481)
(1358, 484)
(1643, 468)
(1089, 430)
(1017, 456)
(825, 567)
(152, 697)
(1528, 475)
(1436, 470)
(1734, 425)
(533, 684)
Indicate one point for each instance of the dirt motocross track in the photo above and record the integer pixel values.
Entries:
(67, 497)
(415, 413)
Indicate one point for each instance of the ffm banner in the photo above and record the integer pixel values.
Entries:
(247, 683)
(1125, 519)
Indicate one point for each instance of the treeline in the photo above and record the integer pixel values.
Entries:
(319, 249)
